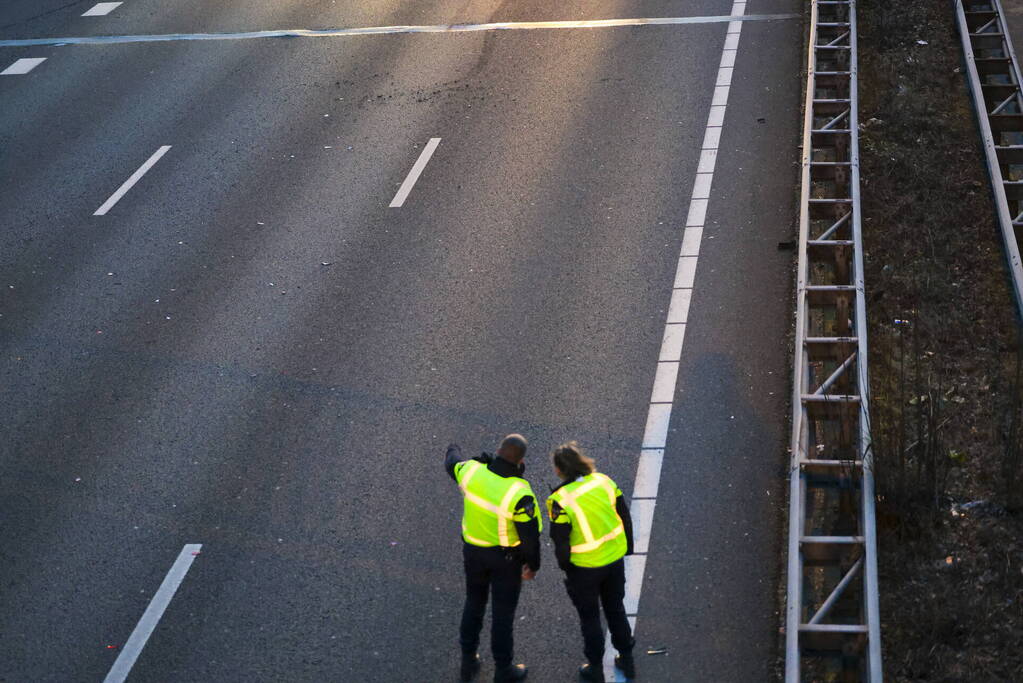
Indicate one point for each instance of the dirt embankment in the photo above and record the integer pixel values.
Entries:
(944, 360)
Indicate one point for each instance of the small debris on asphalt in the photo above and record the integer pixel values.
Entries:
(657, 651)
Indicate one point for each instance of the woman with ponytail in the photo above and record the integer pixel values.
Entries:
(592, 532)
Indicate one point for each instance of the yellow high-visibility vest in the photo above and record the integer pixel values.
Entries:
(488, 513)
(588, 504)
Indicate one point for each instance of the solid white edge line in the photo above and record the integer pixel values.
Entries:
(664, 382)
(656, 431)
(697, 212)
(671, 343)
(130, 182)
(720, 96)
(151, 617)
(717, 117)
(642, 512)
(701, 186)
(101, 9)
(22, 66)
(691, 238)
(634, 567)
(685, 277)
(648, 473)
(678, 307)
(712, 138)
(655, 434)
(708, 160)
(413, 175)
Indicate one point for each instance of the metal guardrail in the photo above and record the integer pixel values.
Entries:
(832, 618)
(994, 77)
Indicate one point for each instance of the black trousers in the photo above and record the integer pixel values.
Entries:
(490, 571)
(590, 588)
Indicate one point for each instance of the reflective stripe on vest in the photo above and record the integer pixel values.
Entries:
(504, 511)
(571, 500)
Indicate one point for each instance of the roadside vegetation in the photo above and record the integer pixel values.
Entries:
(945, 359)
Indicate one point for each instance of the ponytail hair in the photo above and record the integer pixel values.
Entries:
(573, 463)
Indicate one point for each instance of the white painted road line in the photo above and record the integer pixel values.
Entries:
(664, 382)
(413, 175)
(383, 30)
(678, 308)
(22, 66)
(662, 397)
(101, 9)
(648, 473)
(642, 511)
(151, 617)
(671, 344)
(130, 182)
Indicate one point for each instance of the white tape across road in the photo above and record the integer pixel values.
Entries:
(386, 30)
(651, 457)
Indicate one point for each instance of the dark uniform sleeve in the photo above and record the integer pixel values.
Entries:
(561, 531)
(528, 526)
(453, 457)
(623, 511)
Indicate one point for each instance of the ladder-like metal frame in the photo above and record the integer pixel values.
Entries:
(832, 622)
(994, 77)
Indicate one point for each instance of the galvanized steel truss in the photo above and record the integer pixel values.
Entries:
(832, 624)
(994, 77)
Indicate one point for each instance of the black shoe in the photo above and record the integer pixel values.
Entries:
(627, 665)
(512, 672)
(591, 674)
(470, 667)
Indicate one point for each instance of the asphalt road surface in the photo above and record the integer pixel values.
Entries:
(1013, 15)
(251, 350)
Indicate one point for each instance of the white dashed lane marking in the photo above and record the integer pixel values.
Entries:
(413, 175)
(22, 66)
(101, 9)
(662, 397)
(130, 182)
(151, 617)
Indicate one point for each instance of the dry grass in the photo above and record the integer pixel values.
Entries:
(944, 383)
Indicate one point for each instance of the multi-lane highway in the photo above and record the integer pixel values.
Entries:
(251, 349)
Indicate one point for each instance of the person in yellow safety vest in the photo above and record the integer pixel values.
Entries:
(592, 531)
(501, 532)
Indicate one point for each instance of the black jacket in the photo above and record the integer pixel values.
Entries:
(560, 532)
(529, 532)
